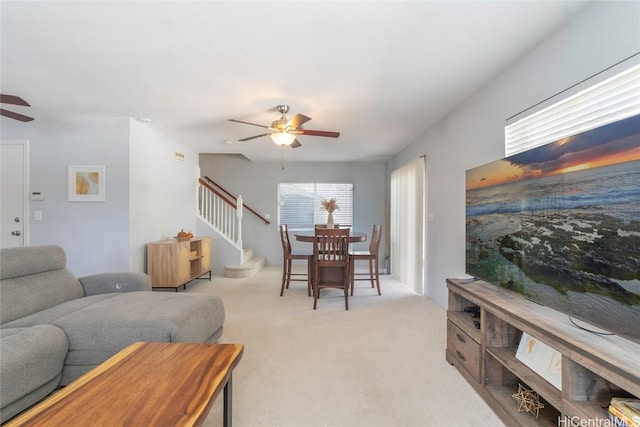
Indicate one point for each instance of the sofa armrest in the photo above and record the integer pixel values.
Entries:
(106, 283)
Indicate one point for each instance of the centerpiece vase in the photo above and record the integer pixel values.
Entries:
(330, 220)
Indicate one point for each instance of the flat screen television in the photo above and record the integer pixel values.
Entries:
(560, 224)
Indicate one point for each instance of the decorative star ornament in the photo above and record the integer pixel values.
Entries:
(528, 400)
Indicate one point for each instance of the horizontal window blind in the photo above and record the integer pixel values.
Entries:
(300, 207)
(607, 101)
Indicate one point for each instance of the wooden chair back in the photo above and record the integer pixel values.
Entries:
(331, 261)
(331, 245)
(284, 238)
(376, 236)
(372, 257)
(287, 257)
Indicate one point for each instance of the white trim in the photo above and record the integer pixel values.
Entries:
(26, 211)
(27, 192)
(611, 95)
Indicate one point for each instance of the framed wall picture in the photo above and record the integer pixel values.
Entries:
(87, 183)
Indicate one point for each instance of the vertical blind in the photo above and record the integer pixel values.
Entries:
(596, 102)
(299, 203)
(408, 232)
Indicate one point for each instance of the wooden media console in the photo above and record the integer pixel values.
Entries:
(482, 343)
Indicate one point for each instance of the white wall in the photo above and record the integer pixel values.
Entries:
(162, 188)
(257, 182)
(604, 34)
(95, 235)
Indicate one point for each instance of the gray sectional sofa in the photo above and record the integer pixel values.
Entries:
(55, 327)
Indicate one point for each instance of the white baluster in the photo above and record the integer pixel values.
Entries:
(239, 223)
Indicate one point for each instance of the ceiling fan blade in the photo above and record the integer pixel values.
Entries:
(295, 144)
(297, 121)
(15, 116)
(248, 123)
(319, 133)
(254, 137)
(15, 100)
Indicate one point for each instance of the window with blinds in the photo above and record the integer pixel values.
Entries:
(299, 203)
(601, 100)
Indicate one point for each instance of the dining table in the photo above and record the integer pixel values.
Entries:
(308, 235)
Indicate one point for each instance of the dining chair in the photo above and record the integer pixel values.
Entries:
(287, 262)
(372, 256)
(331, 262)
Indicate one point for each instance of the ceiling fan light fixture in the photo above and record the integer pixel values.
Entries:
(284, 132)
(283, 138)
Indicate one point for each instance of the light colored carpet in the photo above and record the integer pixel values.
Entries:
(382, 363)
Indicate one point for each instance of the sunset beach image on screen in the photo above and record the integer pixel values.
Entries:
(560, 224)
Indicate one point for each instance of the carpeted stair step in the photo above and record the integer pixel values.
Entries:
(251, 266)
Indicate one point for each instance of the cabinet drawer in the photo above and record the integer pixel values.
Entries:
(463, 349)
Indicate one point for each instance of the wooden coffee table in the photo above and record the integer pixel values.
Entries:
(146, 384)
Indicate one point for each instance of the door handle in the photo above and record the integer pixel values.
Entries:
(16, 233)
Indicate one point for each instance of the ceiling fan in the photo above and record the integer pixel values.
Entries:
(14, 100)
(284, 132)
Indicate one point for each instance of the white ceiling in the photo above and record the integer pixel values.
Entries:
(381, 73)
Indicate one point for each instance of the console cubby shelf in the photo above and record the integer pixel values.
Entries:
(465, 322)
(595, 368)
(503, 396)
(507, 358)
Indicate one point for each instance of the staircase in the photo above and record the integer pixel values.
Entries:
(222, 213)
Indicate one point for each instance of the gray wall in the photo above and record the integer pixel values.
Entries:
(95, 235)
(604, 34)
(149, 195)
(257, 183)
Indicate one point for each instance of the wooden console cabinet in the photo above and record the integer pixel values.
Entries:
(595, 368)
(172, 263)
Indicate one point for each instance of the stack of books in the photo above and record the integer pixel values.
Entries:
(625, 412)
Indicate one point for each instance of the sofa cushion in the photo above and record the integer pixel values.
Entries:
(34, 279)
(28, 260)
(31, 362)
(99, 331)
(52, 314)
(99, 326)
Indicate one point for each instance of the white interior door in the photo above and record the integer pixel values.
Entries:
(13, 193)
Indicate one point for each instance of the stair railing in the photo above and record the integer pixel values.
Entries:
(232, 197)
(219, 212)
